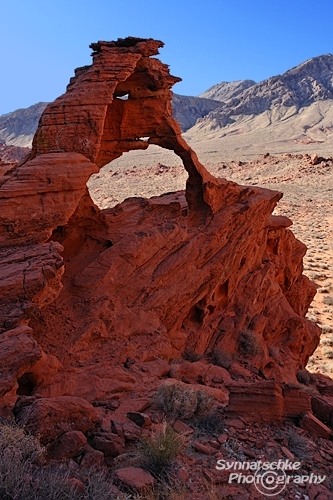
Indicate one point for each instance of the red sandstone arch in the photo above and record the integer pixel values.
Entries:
(91, 119)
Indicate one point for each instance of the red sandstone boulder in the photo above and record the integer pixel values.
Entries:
(48, 418)
(110, 444)
(30, 277)
(141, 419)
(135, 478)
(68, 445)
(92, 458)
(204, 448)
(182, 428)
(322, 407)
(200, 372)
(59, 179)
(95, 382)
(296, 402)
(315, 427)
(257, 401)
(18, 353)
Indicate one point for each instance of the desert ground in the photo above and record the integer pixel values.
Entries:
(304, 173)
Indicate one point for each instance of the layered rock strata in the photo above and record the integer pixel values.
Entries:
(112, 297)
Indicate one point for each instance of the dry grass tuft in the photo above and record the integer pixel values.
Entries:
(298, 445)
(159, 451)
(180, 402)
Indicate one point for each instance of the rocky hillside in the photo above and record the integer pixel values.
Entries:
(187, 110)
(301, 99)
(227, 90)
(18, 128)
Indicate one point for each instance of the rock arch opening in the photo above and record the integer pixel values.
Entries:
(146, 174)
(94, 118)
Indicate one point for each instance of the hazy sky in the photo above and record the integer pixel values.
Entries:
(206, 42)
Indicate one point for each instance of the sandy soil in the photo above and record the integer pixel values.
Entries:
(307, 200)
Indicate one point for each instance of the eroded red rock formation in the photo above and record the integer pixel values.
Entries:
(112, 297)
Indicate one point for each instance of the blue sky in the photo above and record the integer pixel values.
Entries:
(206, 42)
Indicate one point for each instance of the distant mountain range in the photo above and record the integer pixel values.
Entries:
(299, 87)
(18, 128)
(299, 102)
(227, 90)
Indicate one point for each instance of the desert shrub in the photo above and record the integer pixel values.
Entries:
(235, 450)
(22, 476)
(160, 450)
(220, 358)
(304, 377)
(52, 484)
(191, 356)
(249, 344)
(298, 445)
(205, 402)
(328, 353)
(328, 342)
(211, 424)
(166, 488)
(16, 441)
(326, 329)
(18, 451)
(178, 401)
(99, 487)
(328, 300)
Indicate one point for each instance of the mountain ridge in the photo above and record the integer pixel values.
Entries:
(302, 85)
(225, 90)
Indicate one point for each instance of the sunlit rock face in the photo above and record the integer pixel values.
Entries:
(205, 269)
